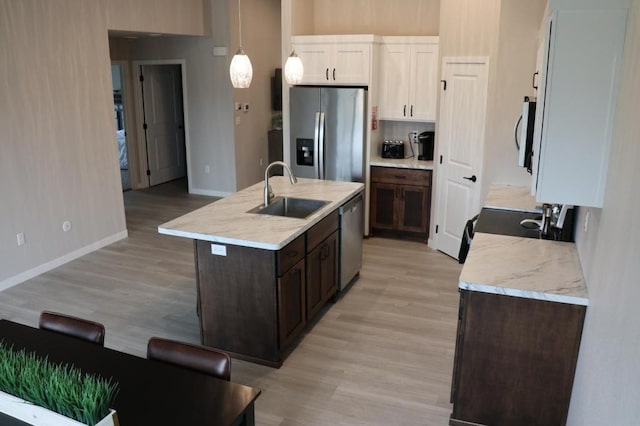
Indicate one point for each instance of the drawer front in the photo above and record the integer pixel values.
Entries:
(401, 176)
(291, 254)
(322, 230)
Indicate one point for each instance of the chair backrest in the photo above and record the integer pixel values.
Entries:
(194, 357)
(90, 331)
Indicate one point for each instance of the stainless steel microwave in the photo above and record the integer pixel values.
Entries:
(527, 123)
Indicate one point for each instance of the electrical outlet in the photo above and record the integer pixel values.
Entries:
(20, 239)
(414, 136)
(261, 162)
(207, 169)
(245, 107)
(218, 249)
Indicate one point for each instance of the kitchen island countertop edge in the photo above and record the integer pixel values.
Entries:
(227, 221)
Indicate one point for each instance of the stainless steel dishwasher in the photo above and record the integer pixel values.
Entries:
(351, 230)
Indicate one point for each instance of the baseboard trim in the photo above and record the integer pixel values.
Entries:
(210, 193)
(431, 243)
(52, 264)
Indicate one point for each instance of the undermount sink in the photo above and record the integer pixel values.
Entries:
(290, 207)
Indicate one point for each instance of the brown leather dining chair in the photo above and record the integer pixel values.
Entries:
(90, 331)
(194, 357)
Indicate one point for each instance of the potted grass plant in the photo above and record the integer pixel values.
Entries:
(39, 392)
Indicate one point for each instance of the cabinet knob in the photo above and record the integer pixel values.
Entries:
(411, 110)
(334, 74)
(326, 74)
(404, 111)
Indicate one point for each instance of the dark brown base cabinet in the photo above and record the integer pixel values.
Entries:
(515, 360)
(400, 200)
(254, 303)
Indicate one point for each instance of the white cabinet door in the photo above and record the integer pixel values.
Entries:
(581, 88)
(394, 81)
(335, 61)
(424, 81)
(409, 72)
(315, 60)
(350, 64)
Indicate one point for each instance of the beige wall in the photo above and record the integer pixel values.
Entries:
(58, 156)
(156, 16)
(232, 152)
(261, 42)
(508, 35)
(382, 17)
(605, 390)
(469, 27)
(513, 68)
(302, 17)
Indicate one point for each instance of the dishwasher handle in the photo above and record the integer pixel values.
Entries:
(350, 205)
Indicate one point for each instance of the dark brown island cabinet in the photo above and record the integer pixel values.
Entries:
(254, 303)
(400, 201)
(515, 360)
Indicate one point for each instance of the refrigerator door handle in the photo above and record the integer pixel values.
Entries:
(321, 146)
(316, 144)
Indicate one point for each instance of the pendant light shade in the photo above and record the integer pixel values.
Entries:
(240, 69)
(293, 69)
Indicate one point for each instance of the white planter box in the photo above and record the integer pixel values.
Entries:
(39, 416)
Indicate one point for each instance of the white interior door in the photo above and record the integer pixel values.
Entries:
(461, 134)
(164, 119)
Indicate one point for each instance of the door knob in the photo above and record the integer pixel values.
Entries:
(472, 178)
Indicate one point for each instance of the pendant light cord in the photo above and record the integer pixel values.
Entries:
(239, 26)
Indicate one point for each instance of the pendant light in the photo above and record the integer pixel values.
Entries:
(293, 69)
(240, 69)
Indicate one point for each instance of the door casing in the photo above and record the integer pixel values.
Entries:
(141, 146)
(452, 214)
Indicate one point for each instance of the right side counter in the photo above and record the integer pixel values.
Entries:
(522, 308)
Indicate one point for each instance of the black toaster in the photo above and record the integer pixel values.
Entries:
(393, 149)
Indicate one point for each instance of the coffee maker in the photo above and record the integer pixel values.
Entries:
(425, 146)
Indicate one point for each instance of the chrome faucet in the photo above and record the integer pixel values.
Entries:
(268, 193)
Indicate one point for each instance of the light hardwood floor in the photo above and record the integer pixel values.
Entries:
(382, 355)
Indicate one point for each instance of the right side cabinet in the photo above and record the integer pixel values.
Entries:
(515, 360)
(578, 91)
(401, 200)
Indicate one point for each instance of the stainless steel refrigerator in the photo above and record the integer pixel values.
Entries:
(327, 142)
(328, 132)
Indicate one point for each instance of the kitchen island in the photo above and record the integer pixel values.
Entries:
(522, 308)
(262, 279)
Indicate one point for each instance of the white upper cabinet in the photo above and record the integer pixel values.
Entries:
(408, 78)
(576, 106)
(335, 60)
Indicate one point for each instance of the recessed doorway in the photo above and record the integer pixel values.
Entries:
(119, 87)
(161, 106)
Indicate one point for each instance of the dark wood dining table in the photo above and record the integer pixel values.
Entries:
(150, 392)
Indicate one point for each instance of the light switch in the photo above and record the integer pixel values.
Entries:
(220, 51)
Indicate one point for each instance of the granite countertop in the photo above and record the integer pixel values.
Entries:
(227, 221)
(401, 163)
(524, 267)
(511, 198)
